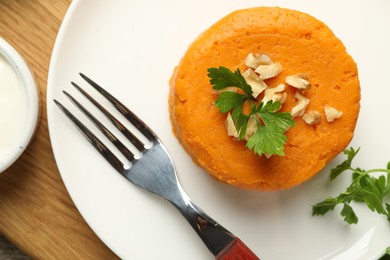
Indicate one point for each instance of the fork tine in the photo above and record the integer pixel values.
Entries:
(136, 121)
(118, 144)
(130, 136)
(102, 149)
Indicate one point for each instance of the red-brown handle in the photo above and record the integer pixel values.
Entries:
(236, 250)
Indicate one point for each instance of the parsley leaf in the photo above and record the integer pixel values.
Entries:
(269, 138)
(388, 211)
(269, 115)
(241, 122)
(348, 214)
(364, 189)
(230, 100)
(267, 141)
(222, 78)
(346, 165)
(324, 206)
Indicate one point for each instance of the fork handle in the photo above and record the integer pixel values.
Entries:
(221, 242)
(236, 250)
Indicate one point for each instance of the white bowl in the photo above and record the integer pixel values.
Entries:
(19, 105)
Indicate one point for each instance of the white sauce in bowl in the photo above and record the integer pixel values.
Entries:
(19, 105)
(13, 107)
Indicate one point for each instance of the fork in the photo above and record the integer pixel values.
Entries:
(153, 171)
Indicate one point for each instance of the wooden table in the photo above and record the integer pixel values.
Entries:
(36, 212)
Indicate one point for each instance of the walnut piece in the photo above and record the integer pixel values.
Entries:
(230, 126)
(269, 71)
(232, 130)
(312, 117)
(253, 80)
(281, 97)
(299, 109)
(275, 94)
(253, 61)
(299, 81)
(332, 113)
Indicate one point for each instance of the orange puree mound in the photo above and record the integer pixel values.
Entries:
(302, 44)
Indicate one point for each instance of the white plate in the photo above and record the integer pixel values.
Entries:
(131, 48)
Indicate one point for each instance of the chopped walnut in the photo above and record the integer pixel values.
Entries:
(230, 126)
(299, 81)
(299, 109)
(312, 117)
(281, 97)
(253, 80)
(253, 61)
(275, 94)
(232, 130)
(269, 71)
(332, 113)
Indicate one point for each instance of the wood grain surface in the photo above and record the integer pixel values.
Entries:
(36, 212)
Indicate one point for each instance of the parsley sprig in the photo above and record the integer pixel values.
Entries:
(269, 138)
(365, 188)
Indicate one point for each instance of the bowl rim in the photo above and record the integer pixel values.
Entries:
(27, 80)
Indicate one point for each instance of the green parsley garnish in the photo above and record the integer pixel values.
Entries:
(364, 188)
(388, 251)
(269, 138)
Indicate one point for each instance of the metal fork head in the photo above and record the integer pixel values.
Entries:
(153, 170)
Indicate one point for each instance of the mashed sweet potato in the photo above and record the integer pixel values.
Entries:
(302, 44)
